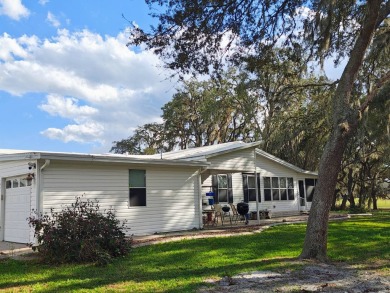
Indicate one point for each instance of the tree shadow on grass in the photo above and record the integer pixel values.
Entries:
(120, 276)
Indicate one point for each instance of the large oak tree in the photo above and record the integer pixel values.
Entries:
(203, 35)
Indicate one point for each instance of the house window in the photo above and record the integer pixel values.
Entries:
(8, 184)
(278, 188)
(222, 188)
(137, 188)
(15, 183)
(310, 187)
(249, 184)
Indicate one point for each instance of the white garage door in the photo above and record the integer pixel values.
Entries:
(17, 210)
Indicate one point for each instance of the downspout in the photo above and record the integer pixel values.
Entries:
(257, 189)
(39, 187)
(2, 208)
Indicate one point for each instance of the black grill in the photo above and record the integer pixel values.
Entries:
(226, 209)
(242, 208)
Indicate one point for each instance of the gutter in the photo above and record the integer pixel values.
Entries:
(99, 158)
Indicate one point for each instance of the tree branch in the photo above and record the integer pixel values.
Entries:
(379, 85)
(383, 13)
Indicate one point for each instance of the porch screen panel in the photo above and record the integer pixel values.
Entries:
(214, 183)
(249, 184)
(267, 189)
(230, 188)
(310, 187)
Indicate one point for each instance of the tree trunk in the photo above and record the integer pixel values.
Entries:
(374, 202)
(344, 125)
(351, 200)
(343, 205)
(333, 208)
(350, 185)
(315, 245)
(374, 192)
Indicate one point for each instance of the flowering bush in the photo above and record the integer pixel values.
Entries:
(79, 233)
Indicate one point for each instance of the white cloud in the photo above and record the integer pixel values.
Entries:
(43, 2)
(52, 19)
(14, 48)
(13, 9)
(80, 133)
(102, 89)
(67, 108)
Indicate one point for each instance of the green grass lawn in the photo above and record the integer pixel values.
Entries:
(184, 265)
(383, 203)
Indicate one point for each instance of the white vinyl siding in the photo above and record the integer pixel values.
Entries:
(172, 193)
(238, 161)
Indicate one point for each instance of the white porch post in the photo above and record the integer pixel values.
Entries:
(200, 205)
(257, 189)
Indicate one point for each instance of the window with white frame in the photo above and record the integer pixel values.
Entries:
(278, 188)
(222, 188)
(137, 188)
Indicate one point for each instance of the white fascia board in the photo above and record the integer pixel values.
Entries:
(19, 156)
(100, 158)
(284, 163)
(94, 158)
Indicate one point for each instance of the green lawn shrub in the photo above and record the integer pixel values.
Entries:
(79, 233)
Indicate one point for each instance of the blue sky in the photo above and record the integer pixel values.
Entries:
(68, 82)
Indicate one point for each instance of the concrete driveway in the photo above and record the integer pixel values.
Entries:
(9, 249)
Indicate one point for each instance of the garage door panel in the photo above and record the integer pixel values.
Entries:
(17, 210)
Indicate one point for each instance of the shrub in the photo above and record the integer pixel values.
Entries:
(357, 210)
(79, 233)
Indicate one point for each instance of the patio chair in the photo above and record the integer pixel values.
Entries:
(236, 217)
(221, 214)
(217, 212)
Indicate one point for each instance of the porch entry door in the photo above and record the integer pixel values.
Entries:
(302, 201)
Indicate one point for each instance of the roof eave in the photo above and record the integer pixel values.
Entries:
(102, 159)
(20, 156)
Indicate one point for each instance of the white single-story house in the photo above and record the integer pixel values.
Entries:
(153, 193)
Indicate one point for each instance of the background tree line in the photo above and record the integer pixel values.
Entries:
(202, 37)
(285, 107)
